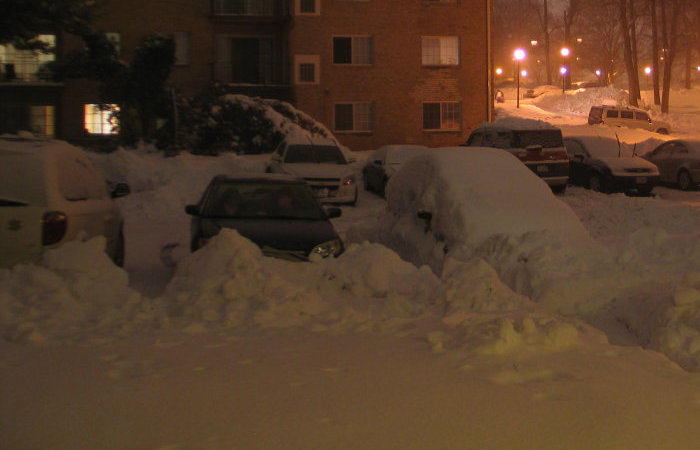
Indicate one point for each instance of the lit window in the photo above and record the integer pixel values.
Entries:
(27, 65)
(356, 117)
(101, 119)
(440, 51)
(353, 50)
(42, 120)
(444, 116)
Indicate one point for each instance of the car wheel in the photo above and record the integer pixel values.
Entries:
(684, 180)
(119, 250)
(595, 183)
(560, 189)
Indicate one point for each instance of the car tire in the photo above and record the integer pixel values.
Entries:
(595, 183)
(684, 180)
(119, 250)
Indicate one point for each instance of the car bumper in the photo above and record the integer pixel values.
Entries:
(633, 183)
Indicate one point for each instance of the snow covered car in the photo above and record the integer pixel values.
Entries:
(324, 166)
(449, 203)
(384, 162)
(603, 164)
(51, 193)
(278, 212)
(537, 144)
(616, 116)
(678, 161)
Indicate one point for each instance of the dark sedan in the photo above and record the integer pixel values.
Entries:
(603, 164)
(280, 213)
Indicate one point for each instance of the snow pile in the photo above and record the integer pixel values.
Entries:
(580, 101)
(75, 291)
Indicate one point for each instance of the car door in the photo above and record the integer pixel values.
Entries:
(661, 157)
(374, 170)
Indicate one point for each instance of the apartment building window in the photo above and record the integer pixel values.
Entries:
(442, 116)
(244, 7)
(182, 48)
(101, 119)
(440, 51)
(354, 117)
(27, 65)
(244, 60)
(308, 7)
(353, 50)
(306, 69)
(41, 118)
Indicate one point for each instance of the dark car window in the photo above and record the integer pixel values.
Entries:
(595, 115)
(627, 114)
(641, 115)
(662, 151)
(314, 154)
(613, 113)
(503, 139)
(547, 138)
(476, 139)
(679, 149)
(263, 200)
(574, 148)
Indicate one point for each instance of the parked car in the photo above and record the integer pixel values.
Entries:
(384, 162)
(324, 166)
(616, 116)
(601, 164)
(51, 193)
(678, 161)
(538, 146)
(280, 213)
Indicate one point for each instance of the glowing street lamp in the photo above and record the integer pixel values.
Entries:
(519, 55)
(563, 71)
(565, 53)
(499, 71)
(647, 72)
(523, 73)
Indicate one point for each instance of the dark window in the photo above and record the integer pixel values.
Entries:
(546, 138)
(307, 6)
(342, 50)
(307, 72)
(251, 60)
(343, 117)
(613, 113)
(627, 114)
(431, 116)
(442, 116)
(642, 115)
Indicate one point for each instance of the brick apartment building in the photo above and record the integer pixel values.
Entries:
(373, 71)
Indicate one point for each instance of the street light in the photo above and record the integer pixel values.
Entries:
(565, 53)
(563, 71)
(647, 71)
(519, 55)
(499, 71)
(598, 73)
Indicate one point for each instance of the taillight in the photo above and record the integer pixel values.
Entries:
(53, 229)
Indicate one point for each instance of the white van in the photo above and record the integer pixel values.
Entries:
(615, 116)
(50, 193)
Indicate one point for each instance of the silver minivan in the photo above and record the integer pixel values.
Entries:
(50, 193)
(616, 116)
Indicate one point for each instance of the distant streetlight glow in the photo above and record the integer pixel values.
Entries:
(519, 55)
(565, 52)
(647, 71)
(523, 73)
(499, 71)
(533, 42)
(563, 71)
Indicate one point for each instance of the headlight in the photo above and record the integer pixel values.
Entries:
(350, 179)
(330, 248)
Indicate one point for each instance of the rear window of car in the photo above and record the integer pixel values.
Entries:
(547, 138)
(314, 154)
(261, 200)
(612, 113)
(21, 180)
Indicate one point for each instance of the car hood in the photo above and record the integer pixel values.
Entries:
(292, 235)
(629, 162)
(313, 170)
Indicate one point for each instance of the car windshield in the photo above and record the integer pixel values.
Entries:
(21, 180)
(328, 154)
(262, 200)
(547, 138)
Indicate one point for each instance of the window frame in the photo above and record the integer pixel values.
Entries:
(315, 12)
(443, 120)
(371, 114)
(92, 109)
(299, 60)
(354, 41)
(427, 59)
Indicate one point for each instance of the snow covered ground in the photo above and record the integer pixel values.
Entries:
(226, 349)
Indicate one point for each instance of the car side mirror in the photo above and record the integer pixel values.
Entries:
(120, 190)
(333, 212)
(192, 210)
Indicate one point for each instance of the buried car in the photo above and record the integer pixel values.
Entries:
(601, 164)
(384, 162)
(277, 212)
(323, 166)
(51, 193)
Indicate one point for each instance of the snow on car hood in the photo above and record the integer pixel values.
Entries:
(619, 165)
(315, 170)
